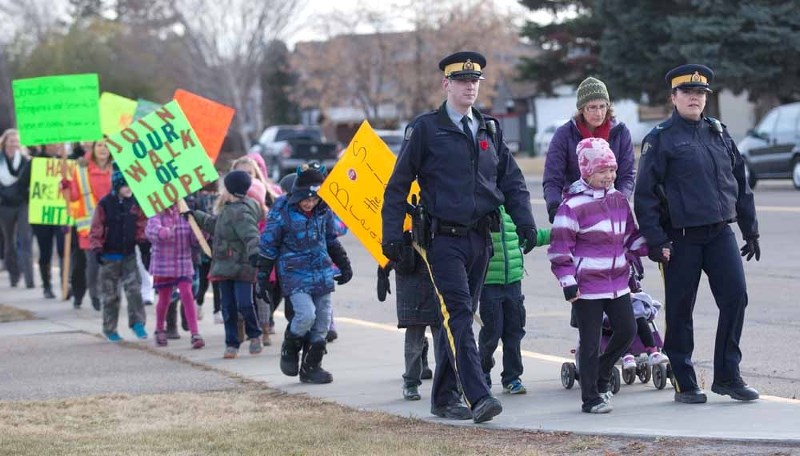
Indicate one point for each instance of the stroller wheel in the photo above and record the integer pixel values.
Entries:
(628, 376)
(643, 371)
(568, 375)
(615, 380)
(659, 376)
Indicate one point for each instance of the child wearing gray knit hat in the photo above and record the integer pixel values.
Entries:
(591, 89)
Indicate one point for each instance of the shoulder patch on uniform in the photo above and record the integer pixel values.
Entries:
(645, 147)
(409, 130)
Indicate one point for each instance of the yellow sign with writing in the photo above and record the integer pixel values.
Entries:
(47, 204)
(116, 113)
(354, 188)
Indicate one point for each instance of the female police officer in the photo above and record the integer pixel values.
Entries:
(465, 172)
(690, 187)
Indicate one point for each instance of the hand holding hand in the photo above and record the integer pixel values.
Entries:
(662, 253)
(527, 237)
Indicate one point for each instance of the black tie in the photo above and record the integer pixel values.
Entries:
(468, 130)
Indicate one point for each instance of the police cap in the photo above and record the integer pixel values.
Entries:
(690, 75)
(463, 65)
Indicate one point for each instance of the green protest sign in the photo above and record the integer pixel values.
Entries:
(161, 158)
(47, 205)
(55, 109)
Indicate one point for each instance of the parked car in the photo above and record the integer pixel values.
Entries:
(285, 147)
(392, 138)
(772, 149)
(541, 141)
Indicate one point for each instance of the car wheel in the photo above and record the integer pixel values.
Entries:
(749, 176)
(796, 173)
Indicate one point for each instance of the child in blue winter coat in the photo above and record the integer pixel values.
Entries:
(300, 240)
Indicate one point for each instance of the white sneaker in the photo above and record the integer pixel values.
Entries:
(218, 318)
(657, 358)
(606, 396)
(628, 362)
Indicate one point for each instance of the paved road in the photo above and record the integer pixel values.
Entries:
(773, 316)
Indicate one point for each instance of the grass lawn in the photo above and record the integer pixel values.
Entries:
(255, 420)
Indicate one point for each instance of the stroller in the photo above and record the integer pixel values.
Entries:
(645, 306)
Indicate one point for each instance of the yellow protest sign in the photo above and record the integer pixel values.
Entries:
(354, 188)
(116, 112)
(47, 204)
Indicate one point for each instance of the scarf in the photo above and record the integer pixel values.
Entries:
(600, 132)
(8, 173)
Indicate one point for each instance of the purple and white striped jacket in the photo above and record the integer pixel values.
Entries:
(591, 232)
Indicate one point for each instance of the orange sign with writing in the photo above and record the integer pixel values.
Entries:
(209, 120)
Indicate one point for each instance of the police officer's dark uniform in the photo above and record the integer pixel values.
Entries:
(690, 187)
(463, 181)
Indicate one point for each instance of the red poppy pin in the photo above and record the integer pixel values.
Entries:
(484, 144)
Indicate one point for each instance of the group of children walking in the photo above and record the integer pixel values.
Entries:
(289, 242)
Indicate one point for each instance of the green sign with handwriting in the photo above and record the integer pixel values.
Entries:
(55, 109)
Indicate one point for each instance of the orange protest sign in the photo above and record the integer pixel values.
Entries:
(209, 120)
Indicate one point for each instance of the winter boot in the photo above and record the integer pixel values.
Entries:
(44, 273)
(290, 354)
(311, 371)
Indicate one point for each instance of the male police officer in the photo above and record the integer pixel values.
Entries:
(691, 186)
(465, 172)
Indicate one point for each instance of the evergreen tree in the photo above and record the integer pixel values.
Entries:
(277, 80)
(751, 45)
(569, 46)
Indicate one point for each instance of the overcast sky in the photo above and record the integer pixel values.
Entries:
(321, 8)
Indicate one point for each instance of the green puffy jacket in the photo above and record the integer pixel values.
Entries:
(506, 265)
(235, 232)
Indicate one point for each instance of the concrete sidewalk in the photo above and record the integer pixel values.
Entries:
(367, 363)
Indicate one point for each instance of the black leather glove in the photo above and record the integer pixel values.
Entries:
(570, 292)
(656, 254)
(552, 208)
(187, 214)
(384, 285)
(751, 249)
(527, 237)
(393, 250)
(99, 258)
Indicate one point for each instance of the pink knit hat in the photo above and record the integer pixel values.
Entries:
(257, 191)
(594, 154)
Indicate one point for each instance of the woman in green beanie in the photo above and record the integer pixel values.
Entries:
(593, 119)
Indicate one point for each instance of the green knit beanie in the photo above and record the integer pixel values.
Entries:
(591, 89)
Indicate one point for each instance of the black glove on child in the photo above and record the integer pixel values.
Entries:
(263, 285)
(657, 255)
(339, 257)
(527, 237)
(751, 249)
(570, 292)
